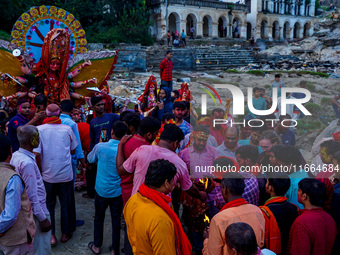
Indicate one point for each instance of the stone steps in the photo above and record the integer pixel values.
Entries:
(223, 58)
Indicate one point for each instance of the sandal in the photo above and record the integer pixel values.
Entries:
(90, 245)
(53, 241)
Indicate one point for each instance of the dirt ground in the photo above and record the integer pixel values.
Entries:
(84, 234)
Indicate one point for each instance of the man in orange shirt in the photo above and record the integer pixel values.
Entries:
(236, 209)
(152, 226)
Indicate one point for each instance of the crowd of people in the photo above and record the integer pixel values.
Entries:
(183, 185)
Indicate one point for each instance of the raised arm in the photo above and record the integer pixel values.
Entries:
(77, 71)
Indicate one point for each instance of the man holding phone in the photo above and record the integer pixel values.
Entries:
(98, 124)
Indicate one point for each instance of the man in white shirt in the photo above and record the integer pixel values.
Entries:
(57, 143)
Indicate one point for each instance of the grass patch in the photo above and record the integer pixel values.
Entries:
(310, 87)
(232, 71)
(324, 75)
(267, 86)
(305, 124)
(313, 108)
(326, 101)
(256, 72)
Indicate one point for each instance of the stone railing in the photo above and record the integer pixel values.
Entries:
(202, 3)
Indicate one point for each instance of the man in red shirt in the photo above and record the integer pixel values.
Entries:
(314, 231)
(166, 70)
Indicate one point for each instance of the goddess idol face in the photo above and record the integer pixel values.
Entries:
(55, 65)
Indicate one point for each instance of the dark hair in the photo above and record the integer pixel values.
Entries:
(158, 172)
(148, 124)
(262, 89)
(5, 147)
(241, 237)
(234, 182)
(179, 104)
(202, 128)
(123, 114)
(223, 162)
(216, 110)
(248, 151)
(66, 105)
(168, 116)
(132, 119)
(331, 146)
(172, 133)
(336, 156)
(40, 99)
(119, 129)
(168, 51)
(314, 189)
(95, 100)
(256, 89)
(280, 182)
(287, 154)
(21, 101)
(285, 117)
(277, 75)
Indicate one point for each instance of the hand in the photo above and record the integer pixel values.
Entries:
(45, 225)
(206, 233)
(125, 139)
(93, 80)
(160, 105)
(39, 115)
(87, 63)
(127, 101)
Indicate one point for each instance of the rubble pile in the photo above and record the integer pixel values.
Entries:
(322, 50)
(294, 64)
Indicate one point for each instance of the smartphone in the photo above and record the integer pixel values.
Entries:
(103, 134)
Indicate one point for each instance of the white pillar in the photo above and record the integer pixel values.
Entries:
(199, 31)
(214, 30)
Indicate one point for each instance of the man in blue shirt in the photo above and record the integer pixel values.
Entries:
(259, 103)
(283, 130)
(101, 121)
(108, 190)
(24, 110)
(67, 107)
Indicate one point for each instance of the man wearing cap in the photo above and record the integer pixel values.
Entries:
(57, 143)
(24, 110)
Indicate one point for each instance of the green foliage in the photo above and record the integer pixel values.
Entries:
(267, 86)
(310, 87)
(307, 124)
(314, 109)
(317, 5)
(5, 36)
(326, 101)
(104, 21)
(256, 72)
(232, 71)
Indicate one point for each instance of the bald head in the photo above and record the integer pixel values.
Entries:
(231, 138)
(52, 110)
(26, 134)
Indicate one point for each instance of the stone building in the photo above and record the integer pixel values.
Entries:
(261, 19)
(208, 18)
(281, 19)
